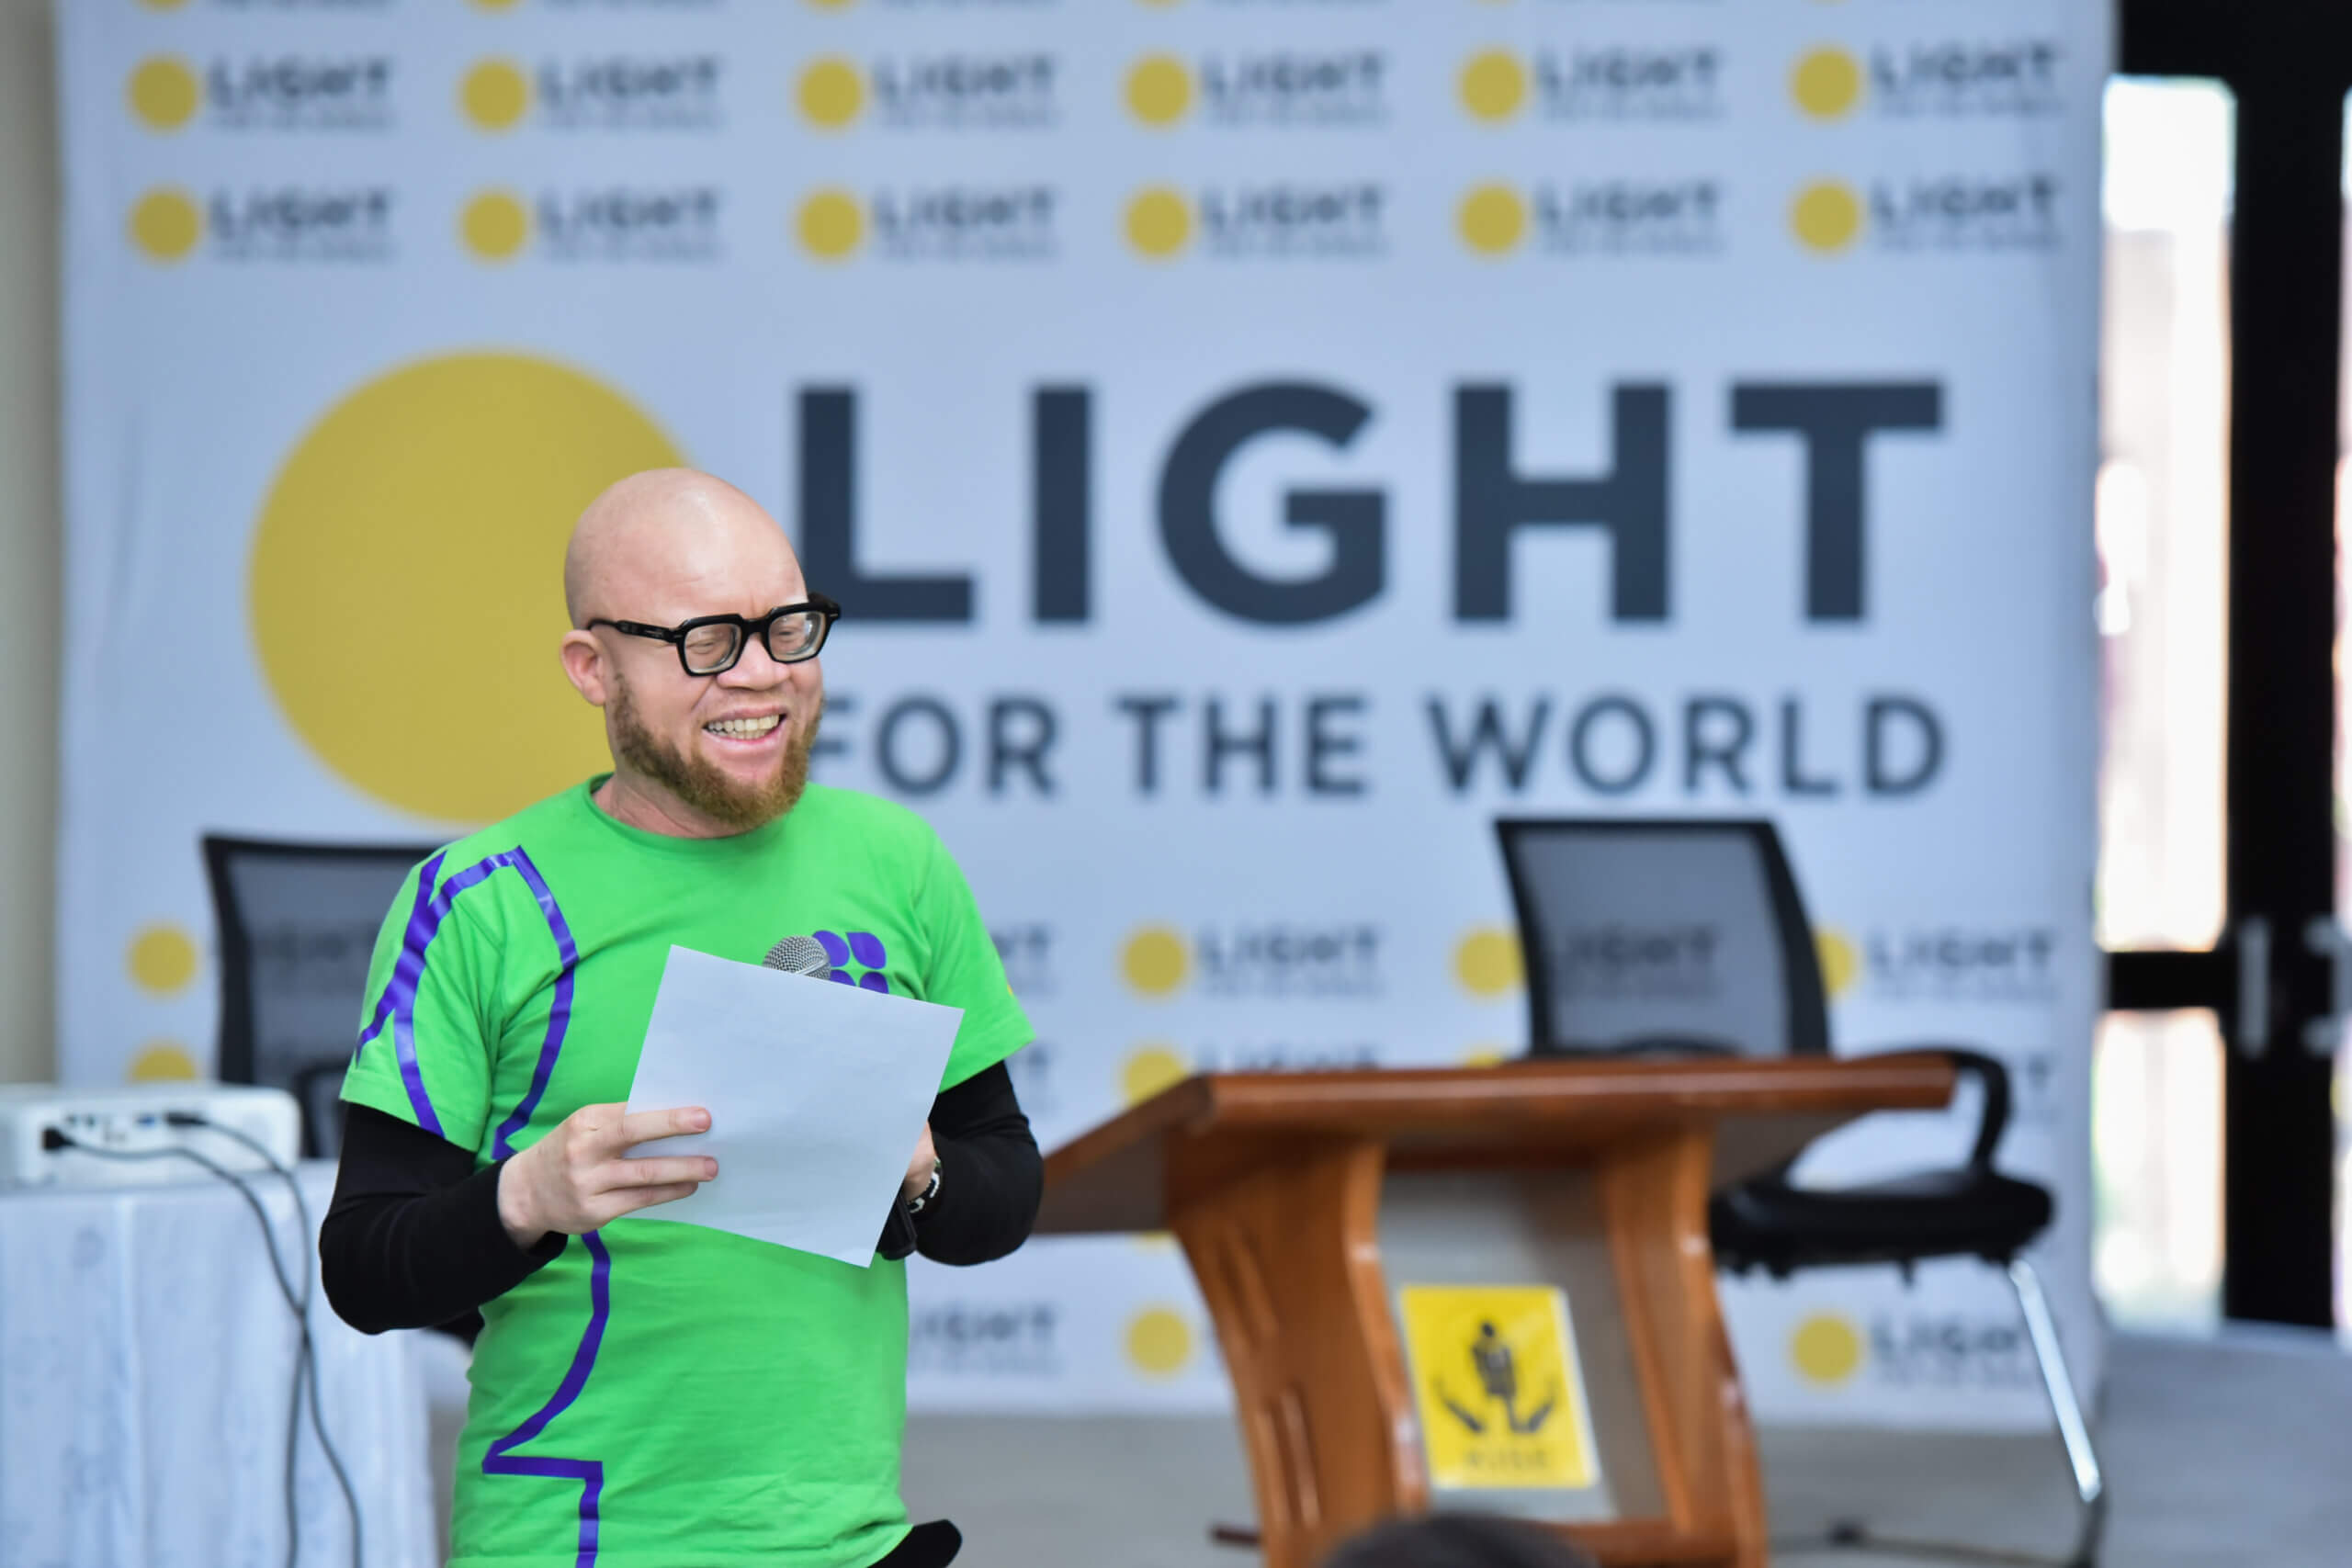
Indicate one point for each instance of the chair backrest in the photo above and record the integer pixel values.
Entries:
(1649, 935)
(297, 924)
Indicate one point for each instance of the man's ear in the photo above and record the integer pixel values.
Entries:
(583, 666)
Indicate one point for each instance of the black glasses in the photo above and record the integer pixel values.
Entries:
(710, 644)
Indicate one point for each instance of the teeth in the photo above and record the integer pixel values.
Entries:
(743, 726)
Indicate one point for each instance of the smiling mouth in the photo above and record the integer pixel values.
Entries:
(743, 728)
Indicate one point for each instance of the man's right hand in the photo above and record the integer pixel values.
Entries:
(575, 1178)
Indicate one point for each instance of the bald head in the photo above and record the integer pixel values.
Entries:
(668, 544)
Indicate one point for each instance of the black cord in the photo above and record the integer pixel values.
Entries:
(297, 1303)
(310, 1346)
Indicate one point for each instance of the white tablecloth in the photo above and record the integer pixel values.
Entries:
(146, 1363)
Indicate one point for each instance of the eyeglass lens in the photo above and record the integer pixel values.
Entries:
(711, 648)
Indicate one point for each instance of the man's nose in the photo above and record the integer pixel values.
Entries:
(757, 669)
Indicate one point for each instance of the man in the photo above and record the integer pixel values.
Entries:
(658, 1395)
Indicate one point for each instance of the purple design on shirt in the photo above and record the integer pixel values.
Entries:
(501, 1459)
(836, 949)
(866, 948)
(397, 1006)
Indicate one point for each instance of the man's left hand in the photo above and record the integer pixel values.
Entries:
(919, 1168)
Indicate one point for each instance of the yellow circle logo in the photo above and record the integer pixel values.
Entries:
(1160, 221)
(1493, 220)
(494, 225)
(1826, 84)
(1155, 960)
(832, 224)
(832, 5)
(166, 224)
(163, 92)
(493, 4)
(162, 4)
(1159, 89)
(1827, 216)
(1826, 1348)
(831, 92)
(1494, 84)
(161, 1061)
(1484, 1056)
(1841, 966)
(448, 488)
(1488, 962)
(494, 95)
(1159, 1342)
(161, 959)
(1149, 1069)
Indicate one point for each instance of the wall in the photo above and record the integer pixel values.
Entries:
(30, 536)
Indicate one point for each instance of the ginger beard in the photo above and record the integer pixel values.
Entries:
(702, 784)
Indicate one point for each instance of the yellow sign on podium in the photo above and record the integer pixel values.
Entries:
(1499, 1387)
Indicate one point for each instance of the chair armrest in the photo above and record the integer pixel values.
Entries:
(1994, 1121)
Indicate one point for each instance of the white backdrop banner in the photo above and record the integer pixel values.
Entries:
(1258, 442)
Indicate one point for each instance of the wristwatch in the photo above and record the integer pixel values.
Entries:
(916, 1203)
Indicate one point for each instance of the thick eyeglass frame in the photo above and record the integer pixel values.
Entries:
(746, 628)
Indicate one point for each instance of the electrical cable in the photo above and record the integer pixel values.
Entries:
(309, 1345)
(297, 1303)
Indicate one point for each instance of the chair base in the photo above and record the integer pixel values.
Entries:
(1852, 1535)
(2074, 1436)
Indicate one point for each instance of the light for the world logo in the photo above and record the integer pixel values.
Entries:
(1487, 962)
(1148, 1069)
(166, 223)
(1159, 89)
(1841, 963)
(1827, 216)
(1159, 221)
(483, 459)
(161, 958)
(163, 92)
(1493, 85)
(496, 94)
(1492, 219)
(1826, 1349)
(1159, 1342)
(494, 225)
(831, 92)
(1155, 960)
(1826, 84)
(163, 1061)
(830, 224)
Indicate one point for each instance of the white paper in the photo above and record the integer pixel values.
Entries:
(817, 1095)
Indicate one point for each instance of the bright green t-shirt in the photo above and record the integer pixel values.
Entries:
(665, 1394)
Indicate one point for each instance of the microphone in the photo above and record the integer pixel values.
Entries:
(799, 955)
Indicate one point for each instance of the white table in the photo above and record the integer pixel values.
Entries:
(146, 1366)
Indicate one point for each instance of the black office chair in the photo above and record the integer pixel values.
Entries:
(1647, 937)
(297, 924)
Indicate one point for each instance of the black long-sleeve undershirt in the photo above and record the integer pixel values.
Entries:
(414, 1237)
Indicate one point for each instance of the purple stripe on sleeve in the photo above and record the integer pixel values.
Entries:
(558, 1012)
(398, 1005)
(501, 1460)
(412, 939)
(413, 1073)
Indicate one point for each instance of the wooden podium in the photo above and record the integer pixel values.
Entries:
(1333, 1220)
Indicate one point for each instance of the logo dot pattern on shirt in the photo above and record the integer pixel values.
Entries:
(864, 949)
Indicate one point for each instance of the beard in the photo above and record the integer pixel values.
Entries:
(702, 784)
